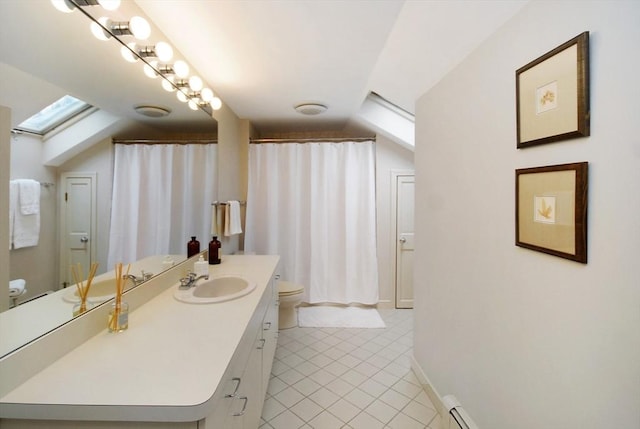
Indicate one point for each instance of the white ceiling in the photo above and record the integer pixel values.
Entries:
(261, 57)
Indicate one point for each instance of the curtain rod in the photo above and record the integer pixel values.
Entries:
(220, 203)
(43, 184)
(187, 141)
(314, 140)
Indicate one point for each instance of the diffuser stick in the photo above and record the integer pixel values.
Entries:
(119, 314)
(82, 291)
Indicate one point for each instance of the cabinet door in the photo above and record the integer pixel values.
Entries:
(253, 391)
(270, 335)
(220, 414)
(246, 406)
(236, 418)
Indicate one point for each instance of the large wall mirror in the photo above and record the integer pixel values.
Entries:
(44, 55)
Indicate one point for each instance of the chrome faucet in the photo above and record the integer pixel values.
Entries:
(191, 280)
(137, 280)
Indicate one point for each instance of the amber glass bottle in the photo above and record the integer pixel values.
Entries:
(193, 247)
(214, 251)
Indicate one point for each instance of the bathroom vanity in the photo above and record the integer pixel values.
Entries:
(179, 365)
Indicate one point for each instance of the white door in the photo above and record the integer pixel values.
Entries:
(77, 223)
(405, 185)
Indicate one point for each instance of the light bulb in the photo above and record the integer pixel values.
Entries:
(109, 4)
(193, 105)
(180, 68)
(167, 84)
(149, 69)
(182, 96)
(206, 94)
(99, 32)
(164, 52)
(216, 103)
(63, 6)
(127, 54)
(140, 28)
(195, 83)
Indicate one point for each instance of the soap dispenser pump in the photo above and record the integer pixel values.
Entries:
(200, 267)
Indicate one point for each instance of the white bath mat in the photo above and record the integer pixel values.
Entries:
(327, 316)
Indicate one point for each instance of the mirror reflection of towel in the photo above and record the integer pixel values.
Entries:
(29, 196)
(232, 223)
(24, 214)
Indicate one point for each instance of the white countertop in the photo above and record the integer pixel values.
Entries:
(166, 366)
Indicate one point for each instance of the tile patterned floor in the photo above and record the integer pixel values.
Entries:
(326, 378)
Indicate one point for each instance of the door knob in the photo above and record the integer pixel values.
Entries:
(402, 240)
(84, 239)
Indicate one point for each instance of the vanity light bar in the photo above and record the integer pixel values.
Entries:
(104, 28)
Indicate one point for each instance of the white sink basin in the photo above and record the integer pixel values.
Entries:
(100, 291)
(217, 289)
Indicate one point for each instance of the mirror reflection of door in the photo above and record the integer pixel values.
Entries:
(405, 185)
(78, 224)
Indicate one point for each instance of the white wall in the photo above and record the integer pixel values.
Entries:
(97, 159)
(38, 265)
(389, 157)
(523, 339)
(5, 157)
(233, 150)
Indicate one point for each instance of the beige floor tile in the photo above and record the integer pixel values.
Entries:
(381, 411)
(306, 409)
(326, 420)
(344, 410)
(365, 421)
(325, 378)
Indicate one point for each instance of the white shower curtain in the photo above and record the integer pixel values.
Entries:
(314, 205)
(162, 195)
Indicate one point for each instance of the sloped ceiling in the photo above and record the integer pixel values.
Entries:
(264, 57)
(261, 57)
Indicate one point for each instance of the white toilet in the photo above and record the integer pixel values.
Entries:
(16, 288)
(290, 295)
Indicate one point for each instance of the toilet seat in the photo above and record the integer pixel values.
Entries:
(289, 288)
(17, 287)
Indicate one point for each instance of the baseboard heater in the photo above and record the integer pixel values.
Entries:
(458, 417)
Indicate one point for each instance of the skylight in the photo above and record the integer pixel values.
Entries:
(388, 119)
(53, 115)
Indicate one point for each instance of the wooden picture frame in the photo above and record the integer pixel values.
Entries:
(552, 95)
(551, 210)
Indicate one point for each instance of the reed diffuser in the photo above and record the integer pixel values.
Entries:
(119, 312)
(82, 290)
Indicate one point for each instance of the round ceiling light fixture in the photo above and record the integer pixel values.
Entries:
(310, 109)
(152, 111)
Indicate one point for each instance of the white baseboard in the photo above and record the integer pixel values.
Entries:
(432, 393)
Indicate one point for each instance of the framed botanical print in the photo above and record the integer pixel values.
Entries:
(551, 210)
(552, 95)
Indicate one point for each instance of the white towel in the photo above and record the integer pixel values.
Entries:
(214, 219)
(232, 223)
(29, 196)
(26, 230)
(26, 227)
